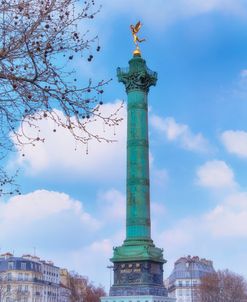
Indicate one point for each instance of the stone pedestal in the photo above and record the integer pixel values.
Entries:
(138, 278)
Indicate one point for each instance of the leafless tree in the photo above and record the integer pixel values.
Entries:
(12, 292)
(3, 291)
(39, 38)
(82, 290)
(223, 286)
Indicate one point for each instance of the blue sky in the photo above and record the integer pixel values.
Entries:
(73, 205)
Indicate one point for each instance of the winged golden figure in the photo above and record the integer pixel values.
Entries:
(135, 29)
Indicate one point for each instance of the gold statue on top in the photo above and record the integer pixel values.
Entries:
(135, 29)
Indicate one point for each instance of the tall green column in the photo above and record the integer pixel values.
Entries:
(138, 264)
(137, 81)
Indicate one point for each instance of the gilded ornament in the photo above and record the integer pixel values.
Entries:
(134, 30)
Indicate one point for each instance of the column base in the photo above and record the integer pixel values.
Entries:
(138, 290)
(148, 298)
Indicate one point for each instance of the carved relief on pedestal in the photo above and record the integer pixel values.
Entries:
(138, 273)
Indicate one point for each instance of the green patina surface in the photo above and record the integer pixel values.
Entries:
(138, 244)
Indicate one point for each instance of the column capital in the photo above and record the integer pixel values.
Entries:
(137, 76)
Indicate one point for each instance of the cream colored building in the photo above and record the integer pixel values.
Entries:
(29, 279)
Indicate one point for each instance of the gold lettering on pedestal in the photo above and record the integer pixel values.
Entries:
(128, 270)
(137, 270)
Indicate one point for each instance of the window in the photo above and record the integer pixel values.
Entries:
(9, 276)
(8, 288)
(26, 288)
(187, 283)
(20, 276)
(180, 283)
(23, 265)
(11, 265)
(26, 276)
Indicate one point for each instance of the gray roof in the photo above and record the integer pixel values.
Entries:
(191, 267)
(17, 264)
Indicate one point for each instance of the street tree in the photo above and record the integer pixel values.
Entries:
(82, 290)
(39, 41)
(223, 286)
(11, 292)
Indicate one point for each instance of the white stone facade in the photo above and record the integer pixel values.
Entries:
(184, 281)
(28, 279)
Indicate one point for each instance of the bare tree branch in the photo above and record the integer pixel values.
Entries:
(223, 286)
(38, 40)
(84, 290)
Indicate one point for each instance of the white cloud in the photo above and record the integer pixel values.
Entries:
(159, 177)
(243, 73)
(166, 12)
(176, 237)
(113, 205)
(157, 209)
(43, 217)
(207, 235)
(215, 174)
(198, 7)
(176, 241)
(180, 133)
(104, 246)
(48, 219)
(229, 218)
(235, 142)
(61, 229)
(60, 154)
(39, 205)
(92, 260)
